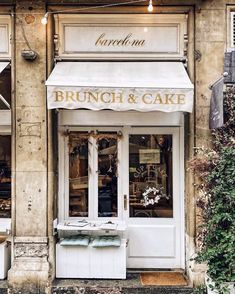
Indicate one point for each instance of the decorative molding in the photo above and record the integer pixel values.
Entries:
(120, 36)
(31, 250)
(56, 44)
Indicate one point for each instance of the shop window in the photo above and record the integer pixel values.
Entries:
(232, 29)
(107, 183)
(150, 176)
(5, 176)
(78, 175)
(5, 89)
(93, 174)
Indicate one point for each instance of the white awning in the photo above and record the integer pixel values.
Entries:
(120, 86)
(3, 65)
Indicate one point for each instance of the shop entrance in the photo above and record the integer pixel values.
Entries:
(152, 198)
(131, 174)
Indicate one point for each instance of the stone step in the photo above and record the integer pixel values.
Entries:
(122, 290)
(3, 290)
(131, 285)
(3, 287)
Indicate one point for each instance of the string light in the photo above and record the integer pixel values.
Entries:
(150, 7)
(45, 17)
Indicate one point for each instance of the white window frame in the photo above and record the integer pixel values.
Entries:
(69, 120)
(92, 175)
(230, 29)
(6, 22)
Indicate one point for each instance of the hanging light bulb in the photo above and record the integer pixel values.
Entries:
(150, 7)
(44, 19)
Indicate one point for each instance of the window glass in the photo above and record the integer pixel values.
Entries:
(107, 175)
(5, 88)
(150, 176)
(5, 176)
(78, 175)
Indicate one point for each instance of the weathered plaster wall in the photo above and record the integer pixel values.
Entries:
(30, 268)
(210, 41)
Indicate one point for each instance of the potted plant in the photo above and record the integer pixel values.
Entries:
(215, 169)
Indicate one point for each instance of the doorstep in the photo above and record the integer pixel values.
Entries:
(131, 285)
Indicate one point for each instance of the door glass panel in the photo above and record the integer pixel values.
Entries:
(150, 176)
(5, 176)
(78, 175)
(107, 175)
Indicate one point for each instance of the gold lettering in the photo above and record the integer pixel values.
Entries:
(128, 40)
(69, 96)
(98, 41)
(147, 96)
(102, 97)
(138, 43)
(132, 99)
(78, 97)
(169, 99)
(92, 96)
(59, 96)
(158, 99)
(181, 98)
(117, 96)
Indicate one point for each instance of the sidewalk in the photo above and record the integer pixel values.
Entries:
(131, 285)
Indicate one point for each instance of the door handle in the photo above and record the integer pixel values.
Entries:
(125, 201)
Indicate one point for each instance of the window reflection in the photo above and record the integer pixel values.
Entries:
(78, 175)
(150, 176)
(5, 88)
(5, 176)
(107, 178)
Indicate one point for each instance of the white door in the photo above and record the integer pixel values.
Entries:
(153, 200)
(133, 174)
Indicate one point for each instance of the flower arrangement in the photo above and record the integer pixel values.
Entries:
(152, 195)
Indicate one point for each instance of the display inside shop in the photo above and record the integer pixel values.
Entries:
(5, 176)
(93, 173)
(150, 176)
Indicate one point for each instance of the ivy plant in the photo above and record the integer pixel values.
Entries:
(215, 168)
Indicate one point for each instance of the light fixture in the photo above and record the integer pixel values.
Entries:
(44, 19)
(150, 7)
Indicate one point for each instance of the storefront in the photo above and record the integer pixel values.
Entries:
(124, 163)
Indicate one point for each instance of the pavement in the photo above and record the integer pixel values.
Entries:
(131, 285)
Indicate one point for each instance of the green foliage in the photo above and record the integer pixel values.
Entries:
(219, 241)
(200, 290)
(216, 169)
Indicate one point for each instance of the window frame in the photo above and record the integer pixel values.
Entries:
(230, 28)
(69, 120)
(6, 21)
(92, 174)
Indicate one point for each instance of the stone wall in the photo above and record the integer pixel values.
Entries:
(30, 267)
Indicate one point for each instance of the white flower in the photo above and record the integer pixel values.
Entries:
(158, 193)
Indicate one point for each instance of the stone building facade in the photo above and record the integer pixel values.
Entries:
(34, 128)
